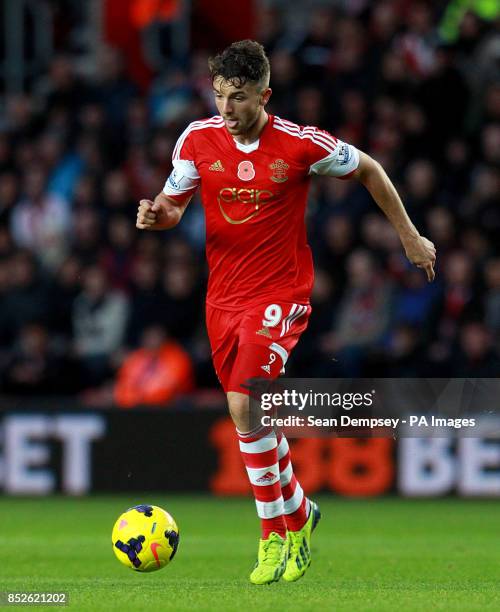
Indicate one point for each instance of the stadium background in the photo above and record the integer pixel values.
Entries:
(93, 97)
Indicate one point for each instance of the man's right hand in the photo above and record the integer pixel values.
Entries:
(148, 214)
(163, 213)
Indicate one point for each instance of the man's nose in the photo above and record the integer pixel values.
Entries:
(227, 107)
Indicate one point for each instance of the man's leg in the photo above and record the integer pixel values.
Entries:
(259, 450)
(280, 500)
(296, 504)
(248, 363)
(301, 514)
(234, 366)
(264, 355)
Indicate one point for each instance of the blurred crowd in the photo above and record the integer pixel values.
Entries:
(87, 302)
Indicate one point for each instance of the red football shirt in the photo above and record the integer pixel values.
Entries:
(254, 198)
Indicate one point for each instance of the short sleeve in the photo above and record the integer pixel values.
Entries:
(184, 178)
(326, 155)
(342, 162)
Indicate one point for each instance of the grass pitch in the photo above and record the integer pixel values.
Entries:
(387, 554)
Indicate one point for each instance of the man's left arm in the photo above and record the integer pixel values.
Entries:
(419, 250)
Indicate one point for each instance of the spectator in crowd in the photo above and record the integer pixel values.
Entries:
(64, 166)
(9, 193)
(492, 299)
(99, 324)
(308, 358)
(117, 197)
(476, 357)
(363, 314)
(414, 299)
(63, 292)
(115, 91)
(119, 254)
(35, 367)
(26, 298)
(335, 242)
(41, 221)
(145, 304)
(442, 229)
(155, 373)
(182, 299)
(420, 188)
(316, 49)
(64, 88)
(457, 295)
(401, 356)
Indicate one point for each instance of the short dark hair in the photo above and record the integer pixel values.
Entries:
(243, 61)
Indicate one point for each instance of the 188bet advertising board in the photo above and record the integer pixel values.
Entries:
(350, 452)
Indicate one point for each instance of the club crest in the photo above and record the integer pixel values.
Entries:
(279, 168)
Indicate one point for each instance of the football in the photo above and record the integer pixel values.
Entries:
(145, 538)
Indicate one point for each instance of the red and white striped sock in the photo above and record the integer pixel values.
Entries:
(259, 450)
(296, 505)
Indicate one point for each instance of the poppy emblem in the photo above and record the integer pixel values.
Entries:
(246, 171)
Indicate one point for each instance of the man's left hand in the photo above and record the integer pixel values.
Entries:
(422, 253)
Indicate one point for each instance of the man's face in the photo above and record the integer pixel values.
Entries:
(240, 106)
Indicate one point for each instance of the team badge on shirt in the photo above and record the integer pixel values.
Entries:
(246, 171)
(279, 168)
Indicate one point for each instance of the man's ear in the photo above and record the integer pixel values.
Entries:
(265, 95)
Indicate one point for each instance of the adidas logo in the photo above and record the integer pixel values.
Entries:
(217, 166)
(266, 368)
(264, 332)
(267, 477)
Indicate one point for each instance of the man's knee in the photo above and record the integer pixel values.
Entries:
(239, 408)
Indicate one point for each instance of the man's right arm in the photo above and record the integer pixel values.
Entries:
(162, 214)
(167, 209)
